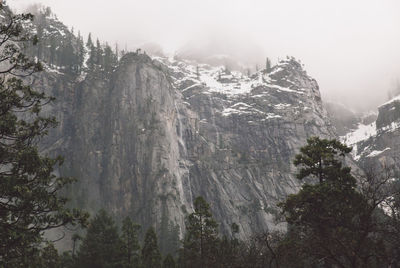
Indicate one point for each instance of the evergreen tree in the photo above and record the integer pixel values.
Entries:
(268, 66)
(201, 239)
(151, 256)
(320, 158)
(169, 262)
(99, 60)
(92, 53)
(101, 246)
(30, 201)
(68, 57)
(330, 220)
(89, 42)
(117, 54)
(130, 243)
(81, 52)
(110, 59)
(229, 249)
(122, 53)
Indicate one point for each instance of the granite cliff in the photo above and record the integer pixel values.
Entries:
(158, 132)
(145, 137)
(377, 143)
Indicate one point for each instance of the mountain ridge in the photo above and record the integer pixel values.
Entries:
(146, 135)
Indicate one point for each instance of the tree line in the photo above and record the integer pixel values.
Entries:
(62, 49)
(332, 222)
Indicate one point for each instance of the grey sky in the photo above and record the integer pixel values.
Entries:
(352, 47)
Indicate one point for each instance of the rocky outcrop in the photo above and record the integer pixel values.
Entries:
(377, 145)
(389, 113)
(157, 133)
(241, 134)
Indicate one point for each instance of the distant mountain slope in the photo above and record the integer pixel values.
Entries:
(377, 145)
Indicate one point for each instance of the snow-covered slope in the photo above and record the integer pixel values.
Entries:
(284, 83)
(377, 145)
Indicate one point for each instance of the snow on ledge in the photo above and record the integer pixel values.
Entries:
(376, 153)
(363, 132)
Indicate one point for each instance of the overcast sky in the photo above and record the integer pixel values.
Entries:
(352, 47)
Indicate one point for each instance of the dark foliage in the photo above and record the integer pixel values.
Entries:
(30, 201)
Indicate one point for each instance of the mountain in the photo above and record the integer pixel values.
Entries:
(146, 135)
(377, 144)
(160, 132)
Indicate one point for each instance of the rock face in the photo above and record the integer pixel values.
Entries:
(147, 138)
(159, 132)
(240, 135)
(377, 145)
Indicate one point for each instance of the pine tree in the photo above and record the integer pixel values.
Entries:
(320, 157)
(117, 53)
(130, 243)
(151, 256)
(229, 249)
(30, 198)
(110, 59)
(99, 60)
(268, 67)
(81, 52)
(101, 246)
(92, 53)
(89, 42)
(330, 220)
(68, 57)
(201, 239)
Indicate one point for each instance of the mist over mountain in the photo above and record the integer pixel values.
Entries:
(351, 48)
(221, 49)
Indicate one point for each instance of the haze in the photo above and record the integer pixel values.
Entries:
(352, 47)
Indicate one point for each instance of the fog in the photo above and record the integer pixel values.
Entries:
(351, 47)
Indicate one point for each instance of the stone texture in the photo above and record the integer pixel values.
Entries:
(148, 140)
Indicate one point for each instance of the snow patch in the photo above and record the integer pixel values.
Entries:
(363, 132)
(376, 153)
(219, 80)
(390, 128)
(281, 106)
